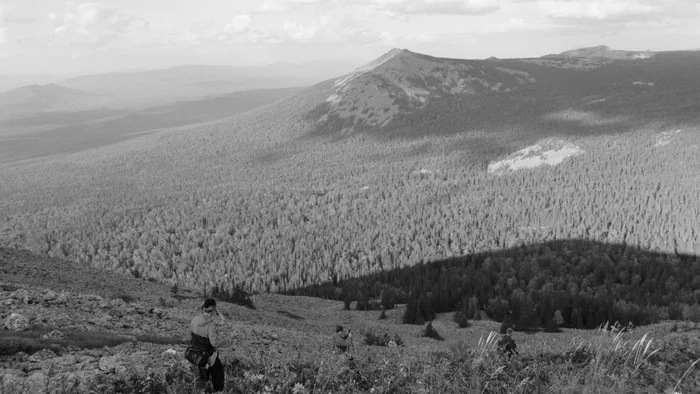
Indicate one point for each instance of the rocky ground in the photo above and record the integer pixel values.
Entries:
(75, 334)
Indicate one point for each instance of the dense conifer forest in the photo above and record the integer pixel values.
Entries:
(253, 203)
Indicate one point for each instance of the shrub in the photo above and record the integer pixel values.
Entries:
(431, 332)
(373, 339)
(461, 316)
(126, 297)
(237, 296)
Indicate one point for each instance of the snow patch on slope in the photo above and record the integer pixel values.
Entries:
(665, 137)
(550, 152)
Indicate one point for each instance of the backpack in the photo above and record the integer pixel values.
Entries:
(197, 357)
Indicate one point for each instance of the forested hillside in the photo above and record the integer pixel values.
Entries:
(261, 202)
(587, 282)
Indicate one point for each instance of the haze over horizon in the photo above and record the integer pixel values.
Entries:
(79, 37)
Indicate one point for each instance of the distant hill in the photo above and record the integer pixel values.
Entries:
(45, 133)
(603, 52)
(162, 86)
(408, 93)
(138, 88)
(51, 97)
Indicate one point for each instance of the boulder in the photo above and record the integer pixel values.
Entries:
(157, 312)
(60, 299)
(49, 296)
(37, 382)
(16, 322)
(55, 334)
(12, 382)
(21, 294)
(42, 355)
(108, 363)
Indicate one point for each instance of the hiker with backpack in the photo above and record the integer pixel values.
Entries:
(204, 342)
(506, 344)
(343, 341)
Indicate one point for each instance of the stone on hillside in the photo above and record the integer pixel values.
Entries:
(117, 303)
(16, 322)
(42, 355)
(60, 299)
(21, 294)
(170, 352)
(12, 382)
(55, 334)
(108, 363)
(140, 309)
(157, 312)
(49, 296)
(37, 382)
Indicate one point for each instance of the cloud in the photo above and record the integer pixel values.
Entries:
(93, 25)
(272, 6)
(403, 8)
(464, 7)
(597, 9)
(239, 24)
(3, 30)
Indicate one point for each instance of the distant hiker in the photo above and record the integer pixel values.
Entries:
(343, 341)
(204, 341)
(506, 344)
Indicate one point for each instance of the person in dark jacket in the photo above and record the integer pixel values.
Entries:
(506, 344)
(203, 337)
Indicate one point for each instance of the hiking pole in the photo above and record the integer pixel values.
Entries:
(352, 343)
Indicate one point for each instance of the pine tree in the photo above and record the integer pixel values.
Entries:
(460, 316)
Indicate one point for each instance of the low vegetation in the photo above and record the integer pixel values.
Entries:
(605, 363)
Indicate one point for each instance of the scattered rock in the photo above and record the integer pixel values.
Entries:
(37, 382)
(16, 322)
(12, 382)
(41, 355)
(55, 334)
(157, 312)
(120, 371)
(20, 294)
(108, 363)
(170, 352)
(49, 296)
(61, 299)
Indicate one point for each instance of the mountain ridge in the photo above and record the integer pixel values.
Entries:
(398, 89)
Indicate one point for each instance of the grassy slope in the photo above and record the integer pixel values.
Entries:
(22, 268)
(287, 341)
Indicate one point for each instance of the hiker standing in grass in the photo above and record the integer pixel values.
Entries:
(342, 340)
(506, 344)
(204, 338)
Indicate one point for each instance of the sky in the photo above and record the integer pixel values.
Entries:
(63, 37)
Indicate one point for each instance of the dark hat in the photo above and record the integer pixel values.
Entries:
(209, 303)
